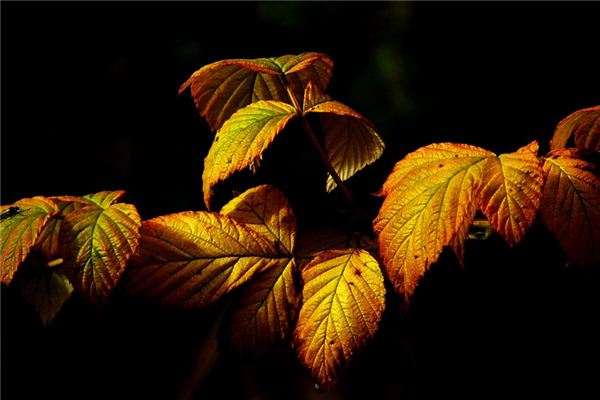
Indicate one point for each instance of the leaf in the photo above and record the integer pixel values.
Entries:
(429, 201)
(584, 125)
(512, 191)
(221, 88)
(314, 242)
(266, 210)
(104, 199)
(264, 310)
(47, 242)
(351, 142)
(242, 140)
(571, 205)
(46, 290)
(194, 258)
(343, 300)
(20, 226)
(96, 244)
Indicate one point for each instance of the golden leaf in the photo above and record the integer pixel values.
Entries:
(351, 142)
(243, 139)
(584, 125)
(96, 243)
(429, 201)
(571, 205)
(511, 191)
(194, 258)
(20, 226)
(343, 300)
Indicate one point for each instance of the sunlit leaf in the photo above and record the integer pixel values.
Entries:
(96, 244)
(584, 125)
(266, 210)
(47, 242)
(242, 140)
(264, 311)
(342, 302)
(104, 199)
(429, 201)
(351, 142)
(314, 242)
(20, 226)
(571, 205)
(221, 88)
(194, 258)
(46, 290)
(511, 191)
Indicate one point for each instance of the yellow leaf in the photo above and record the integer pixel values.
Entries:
(342, 302)
(194, 258)
(96, 244)
(242, 140)
(264, 311)
(266, 210)
(511, 191)
(429, 201)
(104, 199)
(221, 88)
(571, 205)
(20, 226)
(584, 125)
(351, 142)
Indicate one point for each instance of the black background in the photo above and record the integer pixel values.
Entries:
(89, 103)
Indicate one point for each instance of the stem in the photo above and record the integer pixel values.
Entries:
(315, 142)
(54, 263)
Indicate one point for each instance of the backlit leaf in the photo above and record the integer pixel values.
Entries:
(266, 210)
(314, 242)
(584, 125)
(20, 226)
(47, 242)
(96, 244)
(429, 201)
(46, 290)
(242, 140)
(343, 300)
(511, 191)
(351, 142)
(264, 310)
(194, 258)
(571, 205)
(221, 88)
(104, 199)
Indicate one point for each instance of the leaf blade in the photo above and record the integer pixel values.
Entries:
(511, 192)
(343, 300)
(584, 125)
(429, 197)
(20, 226)
(46, 291)
(571, 205)
(248, 132)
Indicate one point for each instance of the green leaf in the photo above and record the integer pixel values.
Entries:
(46, 289)
(20, 226)
(351, 142)
(221, 88)
(242, 140)
(96, 244)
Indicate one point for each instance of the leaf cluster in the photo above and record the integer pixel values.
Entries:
(323, 290)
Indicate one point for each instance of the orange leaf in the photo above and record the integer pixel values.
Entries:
(343, 300)
(429, 201)
(221, 88)
(511, 191)
(351, 142)
(584, 125)
(264, 310)
(96, 243)
(242, 140)
(266, 210)
(194, 258)
(47, 242)
(571, 205)
(20, 226)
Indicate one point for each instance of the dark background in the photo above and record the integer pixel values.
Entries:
(89, 103)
